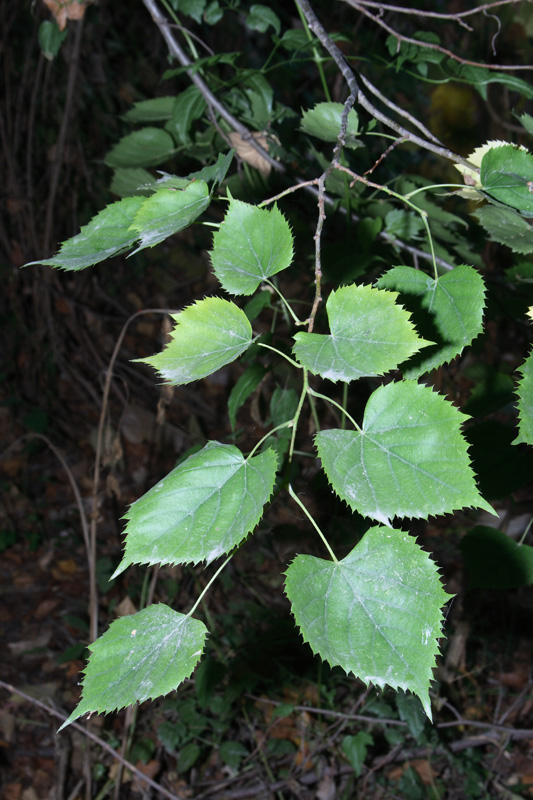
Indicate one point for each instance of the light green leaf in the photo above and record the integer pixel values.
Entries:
(168, 211)
(409, 460)
(50, 39)
(507, 227)
(324, 122)
(377, 613)
(208, 334)
(188, 106)
(494, 561)
(108, 234)
(144, 148)
(200, 510)
(448, 311)
(251, 244)
(246, 384)
(140, 657)
(261, 18)
(370, 335)
(132, 182)
(525, 403)
(157, 109)
(507, 175)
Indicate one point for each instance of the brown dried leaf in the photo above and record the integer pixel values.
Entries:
(247, 152)
(62, 10)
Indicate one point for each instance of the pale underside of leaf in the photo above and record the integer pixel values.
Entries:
(252, 244)
(449, 311)
(370, 335)
(208, 335)
(105, 236)
(409, 460)
(168, 211)
(141, 656)
(377, 613)
(200, 510)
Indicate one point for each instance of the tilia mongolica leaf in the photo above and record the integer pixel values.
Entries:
(140, 657)
(202, 509)
(525, 403)
(447, 310)
(370, 335)
(250, 245)
(408, 460)
(377, 613)
(208, 335)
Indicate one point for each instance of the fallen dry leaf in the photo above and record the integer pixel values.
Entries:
(247, 152)
(62, 10)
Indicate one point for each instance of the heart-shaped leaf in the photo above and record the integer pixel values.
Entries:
(370, 334)
(377, 613)
(409, 460)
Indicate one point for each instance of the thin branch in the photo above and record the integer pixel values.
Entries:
(177, 51)
(100, 742)
(457, 17)
(349, 75)
(430, 45)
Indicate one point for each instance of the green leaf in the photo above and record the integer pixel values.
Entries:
(354, 748)
(507, 175)
(527, 122)
(108, 234)
(147, 147)
(252, 244)
(208, 334)
(157, 109)
(507, 227)
(370, 335)
(214, 173)
(409, 460)
(168, 211)
(411, 712)
(261, 18)
(324, 122)
(140, 656)
(525, 402)
(447, 311)
(246, 384)
(213, 13)
(232, 753)
(376, 613)
(188, 106)
(200, 510)
(192, 8)
(50, 39)
(405, 225)
(494, 561)
(132, 182)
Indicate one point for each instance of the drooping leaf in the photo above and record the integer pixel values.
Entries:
(200, 510)
(246, 384)
(188, 106)
(261, 18)
(108, 234)
(251, 244)
(370, 335)
(447, 310)
(168, 211)
(208, 334)
(409, 460)
(494, 561)
(324, 122)
(507, 227)
(377, 613)
(525, 403)
(147, 147)
(354, 748)
(140, 656)
(50, 39)
(156, 109)
(507, 175)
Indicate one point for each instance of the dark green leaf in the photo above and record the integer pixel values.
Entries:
(147, 147)
(507, 175)
(354, 748)
(157, 109)
(168, 211)
(188, 106)
(507, 227)
(132, 182)
(50, 39)
(324, 122)
(192, 8)
(261, 18)
(245, 386)
(494, 561)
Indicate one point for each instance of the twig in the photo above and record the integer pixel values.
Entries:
(176, 50)
(431, 45)
(457, 17)
(334, 714)
(98, 457)
(107, 747)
